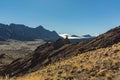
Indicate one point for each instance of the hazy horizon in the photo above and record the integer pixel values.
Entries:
(77, 17)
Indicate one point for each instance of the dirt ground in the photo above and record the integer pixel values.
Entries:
(15, 49)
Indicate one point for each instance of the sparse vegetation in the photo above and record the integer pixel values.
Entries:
(95, 59)
(14, 49)
(92, 65)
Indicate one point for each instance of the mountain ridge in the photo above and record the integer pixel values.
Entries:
(25, 33)
(75, 38)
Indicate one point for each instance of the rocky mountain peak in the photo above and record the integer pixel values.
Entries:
(40, 27)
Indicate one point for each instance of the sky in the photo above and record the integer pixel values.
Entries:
(64, 16)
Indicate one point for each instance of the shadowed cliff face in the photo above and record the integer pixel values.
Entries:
(59, 50)
(25, 33)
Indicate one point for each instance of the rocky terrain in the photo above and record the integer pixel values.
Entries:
(94, 59)
(32, 62)
(59, 50)
(100, 64)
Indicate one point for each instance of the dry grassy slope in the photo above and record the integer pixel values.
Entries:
(100, 64)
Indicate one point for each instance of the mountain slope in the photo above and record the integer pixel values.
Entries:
(25, 33)
(100, 64)
(32, 62)
(59, 50)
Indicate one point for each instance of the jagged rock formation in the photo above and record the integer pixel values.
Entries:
(59, 50)
(25, 33)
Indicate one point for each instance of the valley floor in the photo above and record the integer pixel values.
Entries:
(14, 49)
(100, 64)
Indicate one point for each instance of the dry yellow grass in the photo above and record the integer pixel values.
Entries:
(100, 64)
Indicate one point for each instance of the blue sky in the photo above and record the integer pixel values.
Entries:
(64, 16)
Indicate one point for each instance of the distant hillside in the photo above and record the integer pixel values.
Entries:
(75, 38)
(1, 39)
(25, 33)
(61, 49)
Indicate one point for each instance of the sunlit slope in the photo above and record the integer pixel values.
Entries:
(101, 64)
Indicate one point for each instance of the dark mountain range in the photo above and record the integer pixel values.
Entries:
(25, 33)
(58, 50)
(1, 39)
(89, 36)
(75, 38)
